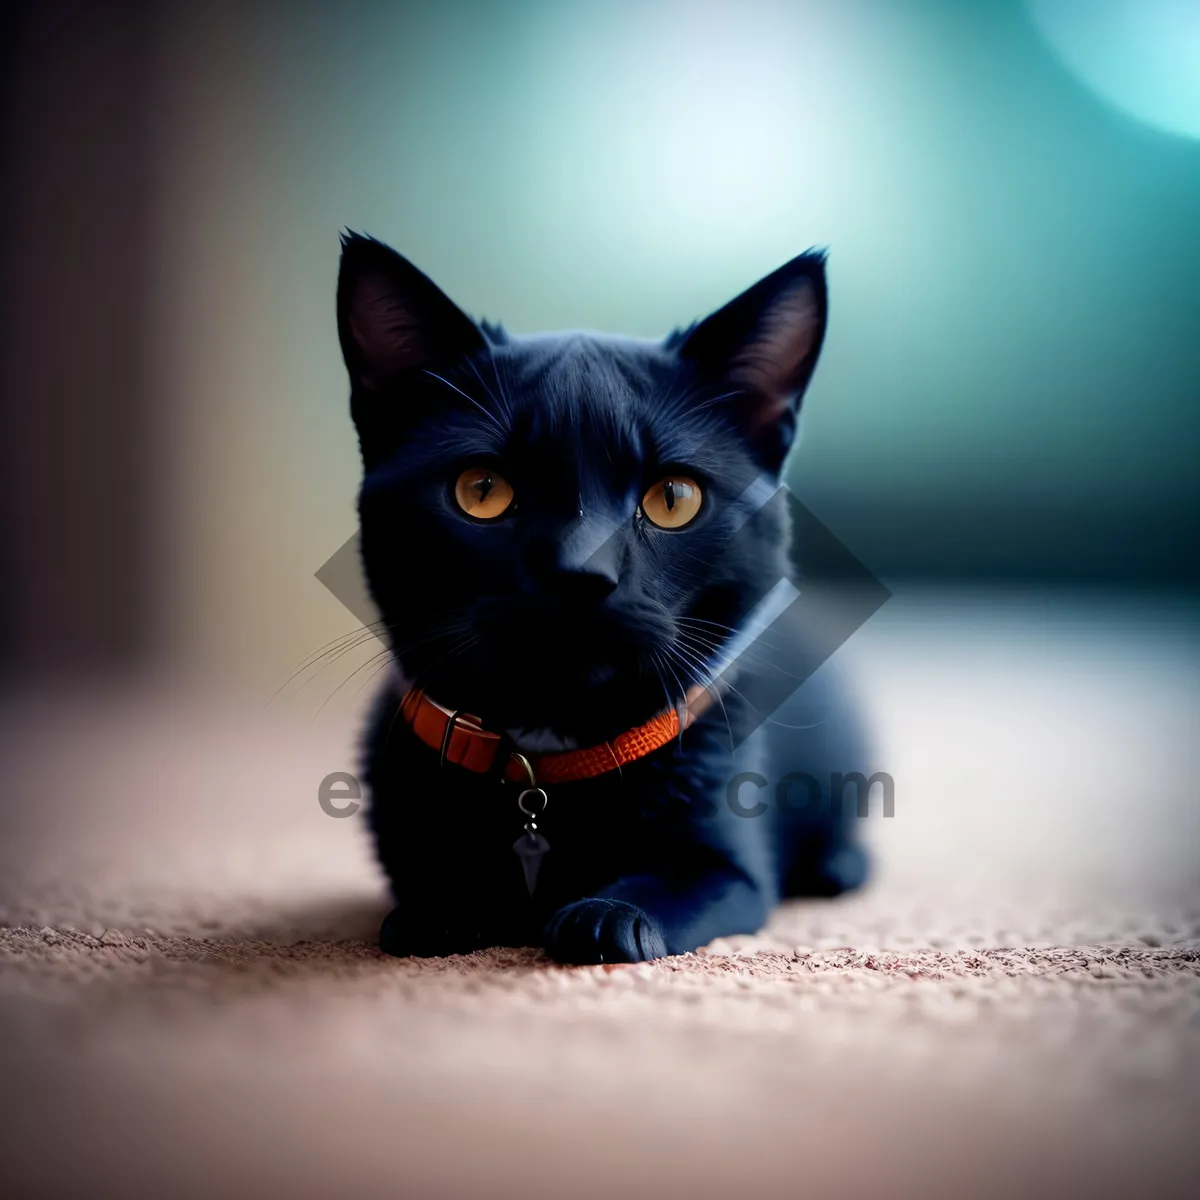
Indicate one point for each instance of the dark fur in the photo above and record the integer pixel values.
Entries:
(552, 616)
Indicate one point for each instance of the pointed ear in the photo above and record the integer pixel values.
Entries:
(392, 319)
(763, 345)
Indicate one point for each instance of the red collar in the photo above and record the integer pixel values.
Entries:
(461, 739)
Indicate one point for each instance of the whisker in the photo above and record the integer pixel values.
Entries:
(767, 717)
(328, 659)
(361, 667)
(661, 680)
(499, 401)
(383, 666)
(760, 638)
(374, 628)
(469, 399)
(711, 685)
(758, 657)
(751, 653)
(427, 671)
(715, 400)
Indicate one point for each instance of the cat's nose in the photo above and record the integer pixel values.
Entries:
(581, 565)
(584, 585)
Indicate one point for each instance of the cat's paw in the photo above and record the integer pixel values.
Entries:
(408, 933)
(603, 931)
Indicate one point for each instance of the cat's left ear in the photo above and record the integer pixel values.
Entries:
(763, 346)
(393, 320)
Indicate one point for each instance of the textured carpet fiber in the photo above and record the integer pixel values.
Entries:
(191, 1002)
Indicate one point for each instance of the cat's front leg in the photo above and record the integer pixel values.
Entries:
(430, 922)
(647, 916)
(421, 931)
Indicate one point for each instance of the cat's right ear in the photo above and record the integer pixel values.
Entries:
(392, 319)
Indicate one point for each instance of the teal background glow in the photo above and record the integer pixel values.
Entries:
(1009, 388)
(1141, 55)
(1012, 372)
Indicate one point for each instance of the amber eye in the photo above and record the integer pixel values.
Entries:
(672, 502)
(482, 494)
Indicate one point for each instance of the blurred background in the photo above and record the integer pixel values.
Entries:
(1009, 193)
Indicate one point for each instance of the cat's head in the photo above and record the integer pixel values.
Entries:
(554, 528)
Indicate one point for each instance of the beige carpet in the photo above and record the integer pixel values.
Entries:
(191, 1004)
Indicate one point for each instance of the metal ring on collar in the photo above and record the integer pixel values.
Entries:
(529, 811)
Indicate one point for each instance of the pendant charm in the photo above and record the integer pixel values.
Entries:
(531, 848)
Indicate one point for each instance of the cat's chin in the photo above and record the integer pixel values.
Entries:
(576, 703)
(573, 720)
(568, 717)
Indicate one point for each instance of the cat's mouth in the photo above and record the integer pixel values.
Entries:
(585, 639)
(600, 675)
(569, 673)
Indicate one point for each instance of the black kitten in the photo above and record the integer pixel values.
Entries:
(563, 535)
